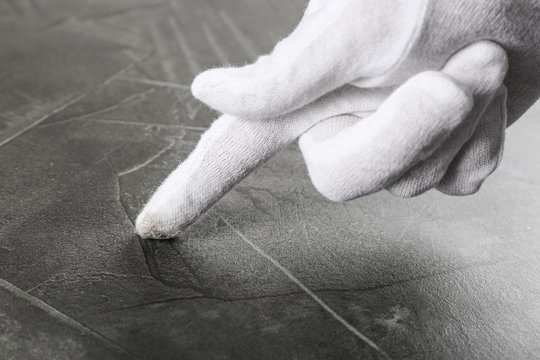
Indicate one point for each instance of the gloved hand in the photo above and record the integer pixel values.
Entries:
(354, 77)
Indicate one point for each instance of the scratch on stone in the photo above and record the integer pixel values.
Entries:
(130, 123)
(198, 281)
(194, 128)
(206, 297)
(258, 203)
(118, 190)
(146, 244)
(126, 101)
(244, 42)
(308, 291)
(232, 299)
(106, 154)
(148, 161)
(130, 54)
(90, 115)
(62, 107)
(146, 124)
(63, 318)
(153, 267)
(43, 118)
(164, 84)
(127, 123)
(214, 44)
(163, 301)
(188, 54)
(118, 74)
(67, 277)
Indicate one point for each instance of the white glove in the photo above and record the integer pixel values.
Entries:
(354, 78)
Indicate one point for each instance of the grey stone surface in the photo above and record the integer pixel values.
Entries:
(31, 329)
(94, 113)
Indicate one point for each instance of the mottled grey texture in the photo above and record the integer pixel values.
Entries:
(87, 131)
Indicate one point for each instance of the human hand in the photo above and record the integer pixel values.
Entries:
(435, 129)
(408, 127)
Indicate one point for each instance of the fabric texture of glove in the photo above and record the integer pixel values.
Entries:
(402, 95)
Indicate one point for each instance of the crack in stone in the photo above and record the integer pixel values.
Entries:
(308, 291)
(258, 203)
(70, 277)
(207, 297)
(127, 123)
(64, 106)
(134, 98)
(134, 306)
(198, 286)
(148, 161)
(147, 245)
(157, 83)
(233, 299)
(149, 250)
(43, 118)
